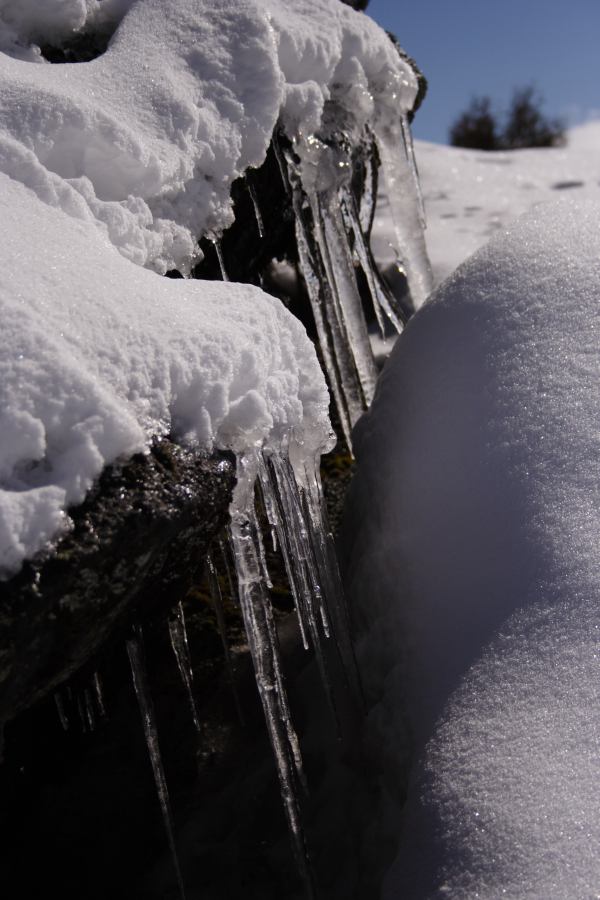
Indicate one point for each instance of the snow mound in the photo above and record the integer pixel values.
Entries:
(98, 355)
(147, 139)
(474, 567)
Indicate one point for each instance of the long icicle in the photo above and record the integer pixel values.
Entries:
(381, 298)
(99, 695)
(137, 661)
(264, 648)
(257, 213)
(301, 566)
(181, 650)
(403, 191)
(333, 243)
(336, 357)
(60, 708)
(217, 601)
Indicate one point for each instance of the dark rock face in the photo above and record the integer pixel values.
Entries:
(137, 544)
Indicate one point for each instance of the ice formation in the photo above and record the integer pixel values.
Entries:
(137, 660)
(474, 564)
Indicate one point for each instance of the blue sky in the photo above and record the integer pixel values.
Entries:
(468, 47)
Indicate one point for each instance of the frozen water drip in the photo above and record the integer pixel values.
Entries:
(135, 651)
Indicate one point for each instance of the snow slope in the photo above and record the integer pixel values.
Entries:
(122, 163)
(470, 195)
(474, 566)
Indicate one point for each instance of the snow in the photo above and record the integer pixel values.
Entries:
(147, 139)
(126, 160)
(98, 355)
(473, 565)
(470, 195)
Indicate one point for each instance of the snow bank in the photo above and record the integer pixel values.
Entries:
(146, 139)
(474, 567)
(471, 195)
(98, 355)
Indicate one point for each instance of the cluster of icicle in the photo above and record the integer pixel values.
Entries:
(333, 218)
(286, 487)
(332, 234)
(292, 500)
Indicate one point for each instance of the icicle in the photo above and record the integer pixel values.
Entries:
(225, 558)
(403, 193)
(257, 212)
(60, 708)
(89, 709)
(219, 251)
(217, 600)
(326, 560)
(99, 694)
(135, 651)
(82, 716)
(333, 243)
(339, 365)
(383, 302)
(302, 570)
(181, 650)
(409, 150)
(264, 647)
(368, 199)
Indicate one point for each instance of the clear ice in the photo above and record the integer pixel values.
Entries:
(137, 661)
(181, 650)
(60, 709)
(264, 648)
(219, 251)
(292, 501)
(257, 213)
(332, 234)
(406, 204)
(217, 601)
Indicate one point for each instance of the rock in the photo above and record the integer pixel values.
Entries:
(137, 544)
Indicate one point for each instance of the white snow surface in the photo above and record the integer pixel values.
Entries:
(473, 562)
(470, 195)
(136, 152)
(147, 139)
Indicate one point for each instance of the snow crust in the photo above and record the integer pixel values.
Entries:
(146, 139)
(98, 355)
(473, 563)
(471, 195)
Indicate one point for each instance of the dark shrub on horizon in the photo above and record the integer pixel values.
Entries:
(525, 125)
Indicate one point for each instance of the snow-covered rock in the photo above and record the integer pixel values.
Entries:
(136, 152)
(474, 569)
(147, 139)
(98, 355)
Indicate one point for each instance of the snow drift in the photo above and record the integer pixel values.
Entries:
(473, 564)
